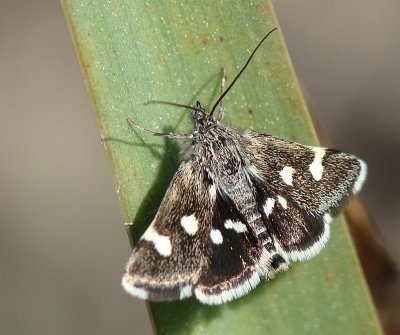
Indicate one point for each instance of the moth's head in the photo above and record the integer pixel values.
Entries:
(201, 118)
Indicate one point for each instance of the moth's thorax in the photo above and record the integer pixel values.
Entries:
(217, 151)
(213, 145)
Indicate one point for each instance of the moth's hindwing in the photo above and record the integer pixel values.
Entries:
(299, 189)
(235, 255)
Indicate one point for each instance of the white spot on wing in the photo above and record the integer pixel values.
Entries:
(238, 226)
(216, 236)
(361, 177)
(287, 175)
(135, 291)
(190, 224)
(316, 167)
(269, 206)
(282, 201)
(185, 292)
(161, 243)
(149, 234)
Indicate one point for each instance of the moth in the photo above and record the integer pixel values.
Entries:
(241, 207)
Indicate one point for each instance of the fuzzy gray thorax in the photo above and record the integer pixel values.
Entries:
(216, 148)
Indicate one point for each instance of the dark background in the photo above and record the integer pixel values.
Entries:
(63, 246)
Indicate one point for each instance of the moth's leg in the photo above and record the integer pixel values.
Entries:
(169, 135)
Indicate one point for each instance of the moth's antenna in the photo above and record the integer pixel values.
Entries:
(170, 135)
(175, 104)
(240, 72)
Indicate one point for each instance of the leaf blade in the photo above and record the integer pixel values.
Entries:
(131, 52)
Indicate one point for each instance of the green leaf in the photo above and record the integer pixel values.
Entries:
(134, 51)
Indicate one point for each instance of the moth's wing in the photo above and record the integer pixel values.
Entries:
(170, 255)
(236, 257)
(180, 253)
(299, 189)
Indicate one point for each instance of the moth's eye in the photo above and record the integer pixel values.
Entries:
(196, 115)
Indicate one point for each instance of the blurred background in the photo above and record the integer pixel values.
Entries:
(57, 200)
